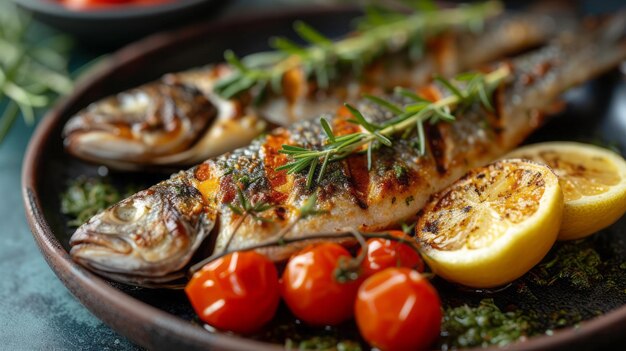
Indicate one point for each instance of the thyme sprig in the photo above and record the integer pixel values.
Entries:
(245, 209)
(322, 58)
(308, 209)
(412, 116)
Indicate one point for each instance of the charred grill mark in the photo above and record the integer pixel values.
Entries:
(431, 227)
(437, 148)
(280, 213)
(358, 180)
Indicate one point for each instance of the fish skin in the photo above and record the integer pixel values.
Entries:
(148, 122)
(352, 196)
(115, 132)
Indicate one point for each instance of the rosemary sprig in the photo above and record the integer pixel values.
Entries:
(32, 69)
(323, 58)
(478, 88)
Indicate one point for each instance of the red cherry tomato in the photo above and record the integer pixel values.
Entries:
(104, 4)
(382, 253)
(398, 309)
(238, 292)
(311, 290)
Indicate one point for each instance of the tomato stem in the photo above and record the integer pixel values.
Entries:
(281, 241)
(350, 269)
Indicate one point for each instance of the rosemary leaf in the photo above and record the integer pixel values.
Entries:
(384, 103)
(311, 35)
(323, 169)
(312, 167)
(451, 87)
(360, 119)
(234, 61)
(285, 45)
(409, 94)
(327, 129)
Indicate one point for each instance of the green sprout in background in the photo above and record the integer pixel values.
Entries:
(33, 67)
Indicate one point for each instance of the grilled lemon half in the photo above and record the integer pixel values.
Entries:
(593, 180)
(493, 225)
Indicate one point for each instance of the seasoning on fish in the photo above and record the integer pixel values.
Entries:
(153, 234)
(182, 119)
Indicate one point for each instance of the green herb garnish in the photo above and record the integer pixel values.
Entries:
(33, 67)
(327, 343)
(483, 325)
(86, 197)
(477, 87)
(379, 32)
(578, 266)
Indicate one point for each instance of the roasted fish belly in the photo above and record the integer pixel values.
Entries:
(181, 120)
(150, 236)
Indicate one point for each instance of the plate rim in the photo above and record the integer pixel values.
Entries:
(151, 327)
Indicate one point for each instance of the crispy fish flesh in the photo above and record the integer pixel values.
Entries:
(150, 236)
(180, 120)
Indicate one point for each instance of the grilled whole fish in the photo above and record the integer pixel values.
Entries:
(151, 235)
(180, 120)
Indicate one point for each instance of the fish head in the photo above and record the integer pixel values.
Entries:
(133, 127)
(147, 238)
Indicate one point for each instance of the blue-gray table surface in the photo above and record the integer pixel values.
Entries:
(36, 311)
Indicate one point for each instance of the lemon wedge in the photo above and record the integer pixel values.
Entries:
(493, 225)
(593, 180)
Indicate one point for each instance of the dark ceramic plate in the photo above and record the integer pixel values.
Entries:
(160, 319)
(116, 24)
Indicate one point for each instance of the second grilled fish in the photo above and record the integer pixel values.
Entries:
(180, 120)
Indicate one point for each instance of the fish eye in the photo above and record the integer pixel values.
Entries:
(130, 211)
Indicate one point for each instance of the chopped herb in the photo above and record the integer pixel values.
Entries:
(571, 263)
(408, 228)
(85, 197)
(322, 343)
(400, 171)
(483, 325)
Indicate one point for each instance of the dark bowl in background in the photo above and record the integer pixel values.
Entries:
(116, 25)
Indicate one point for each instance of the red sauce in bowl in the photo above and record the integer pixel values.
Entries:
(88, 5)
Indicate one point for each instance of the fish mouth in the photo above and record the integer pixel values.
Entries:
(98, 241)
(114, 257)
(104, 252)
